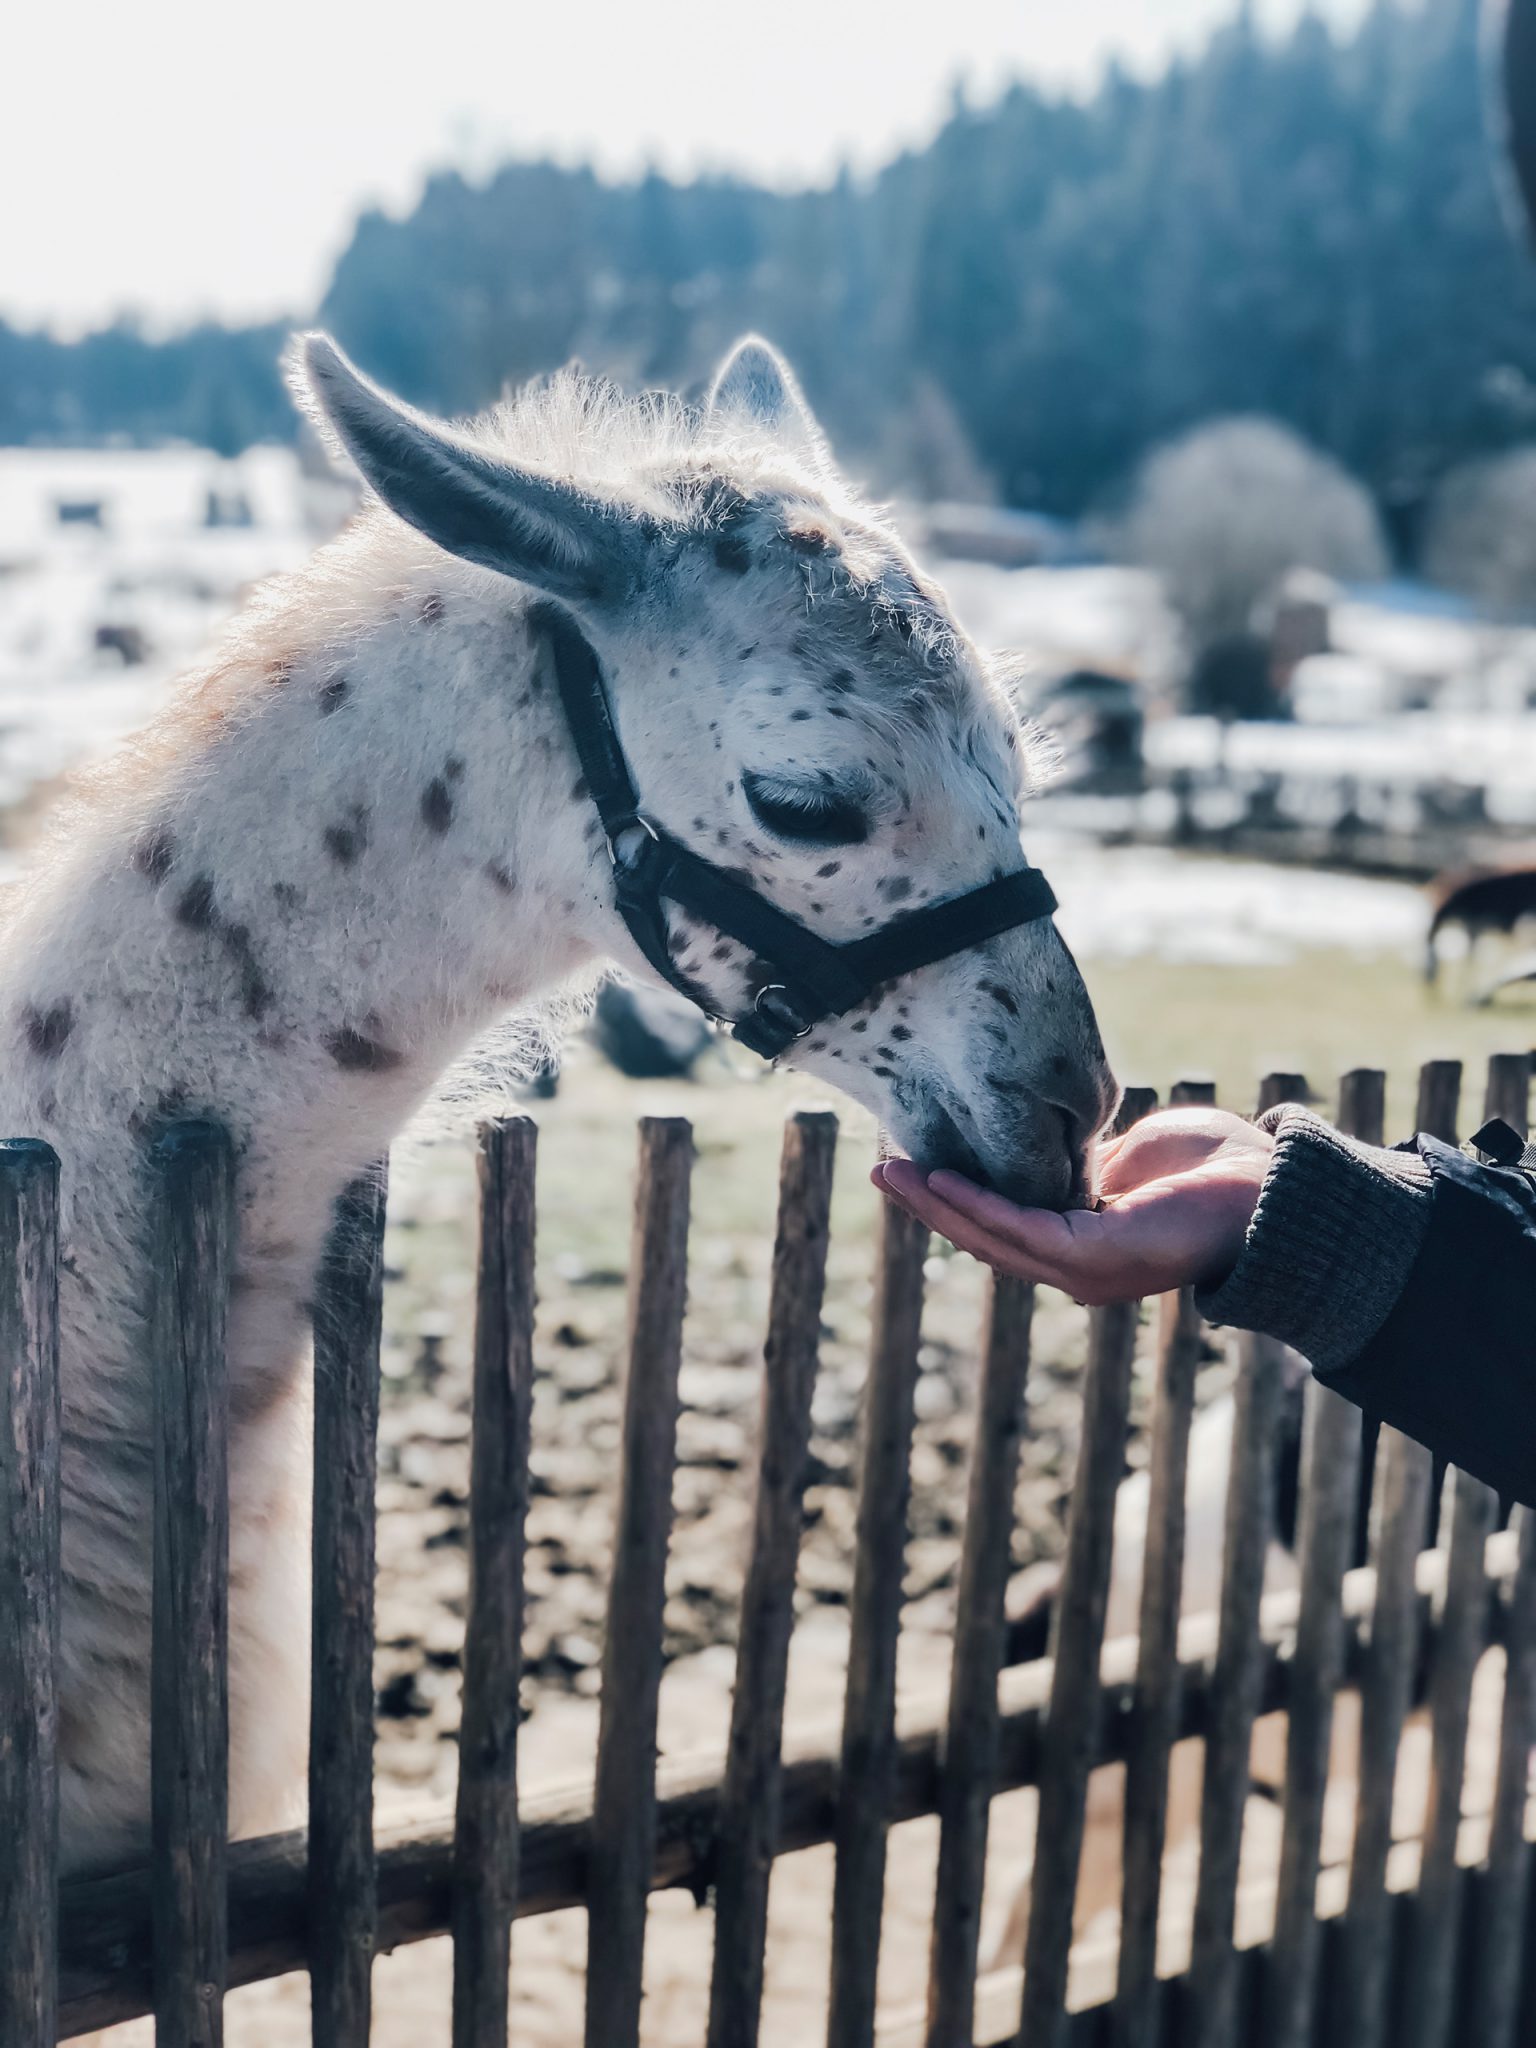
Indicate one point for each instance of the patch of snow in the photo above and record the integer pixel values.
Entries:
(1130, 902)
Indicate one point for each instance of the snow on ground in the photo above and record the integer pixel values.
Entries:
(1129, 902)
(152, 574)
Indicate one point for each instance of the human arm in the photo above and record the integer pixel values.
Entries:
(1407, 1278)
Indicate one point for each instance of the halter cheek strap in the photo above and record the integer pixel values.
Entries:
(810, 978)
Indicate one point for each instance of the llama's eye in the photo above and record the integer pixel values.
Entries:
(805, 813)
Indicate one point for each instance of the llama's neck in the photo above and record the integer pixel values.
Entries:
(323, 878)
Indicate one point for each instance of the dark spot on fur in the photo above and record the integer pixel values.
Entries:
(48, 1030)
(862, 1025)
(437, 805)
(287, 895)
(900, 1033)
(333, 694)
(356, 1054)
(840, 682)
(885, 1073)
(886, 1052)
(255, 993)
(501, 878)
(723, 951)
(195, 907)
(155, 852)
(799, 717)
(896, 888)
(747, 653)
(1000, 995)
(828, 870)
(345, 842)
(453, 768)
(431, 609)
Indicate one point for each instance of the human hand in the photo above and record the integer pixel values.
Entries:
(1177, 1190)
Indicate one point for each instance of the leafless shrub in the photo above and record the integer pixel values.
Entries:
(1481, 534)
(1224, 512)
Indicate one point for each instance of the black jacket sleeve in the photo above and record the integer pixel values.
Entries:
(1454, 1363)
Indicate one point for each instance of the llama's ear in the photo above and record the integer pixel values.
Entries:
(755, 383)
(519, 522)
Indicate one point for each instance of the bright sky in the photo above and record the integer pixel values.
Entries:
(188, 156)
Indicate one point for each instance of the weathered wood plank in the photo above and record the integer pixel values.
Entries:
(1154, 1713)
(1498, 1956)
(1224, 1798)
(1071, 1733)
(624, 1809)
(348, 1319)
(1331, 1457)
(749, 1794)
(1435, 1915)
(970, 1740)
(1399, 1517)
(1508, 1093)
(1439, 1099)
(485, 1834)
(868, 1760)
(29, 1591)
(106, 1942)
(195, 1226)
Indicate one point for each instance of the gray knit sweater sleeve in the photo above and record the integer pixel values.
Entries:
(1337, 1227)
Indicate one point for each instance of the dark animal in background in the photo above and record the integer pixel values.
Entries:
(1479, 902)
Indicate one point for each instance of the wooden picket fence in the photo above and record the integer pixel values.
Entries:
(1441, 1962)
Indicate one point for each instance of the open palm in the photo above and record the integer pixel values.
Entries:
(1177, 1192)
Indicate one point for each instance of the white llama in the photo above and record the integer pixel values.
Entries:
(360, 836)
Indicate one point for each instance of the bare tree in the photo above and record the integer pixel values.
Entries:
(1481, 533)
(1223, 513)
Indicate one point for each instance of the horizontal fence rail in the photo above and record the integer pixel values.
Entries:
(1350, 1959)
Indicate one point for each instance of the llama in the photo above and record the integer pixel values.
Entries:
(360, 836)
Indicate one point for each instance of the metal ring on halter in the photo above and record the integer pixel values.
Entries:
(637, 823)
(777, 988)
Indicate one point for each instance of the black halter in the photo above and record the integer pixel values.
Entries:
(811, 978)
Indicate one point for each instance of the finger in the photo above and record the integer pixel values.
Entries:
(1108, 1254)
(911, 1193)
(1046, 1233)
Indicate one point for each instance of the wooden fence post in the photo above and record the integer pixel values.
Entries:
(1327, 1517)
(1224, 1796)
(1155, 1711)
(624, 1801)
(29, 1591)
(189, 1684)
(747, 1833)
(343, 1906)
(1498, 1956)
(1071, 1727)
(485, 1835)
(867, 1762)
(970, 1735)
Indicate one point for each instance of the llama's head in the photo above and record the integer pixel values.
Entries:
(797, 704)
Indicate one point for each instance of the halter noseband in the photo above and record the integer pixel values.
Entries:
(811, 979)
